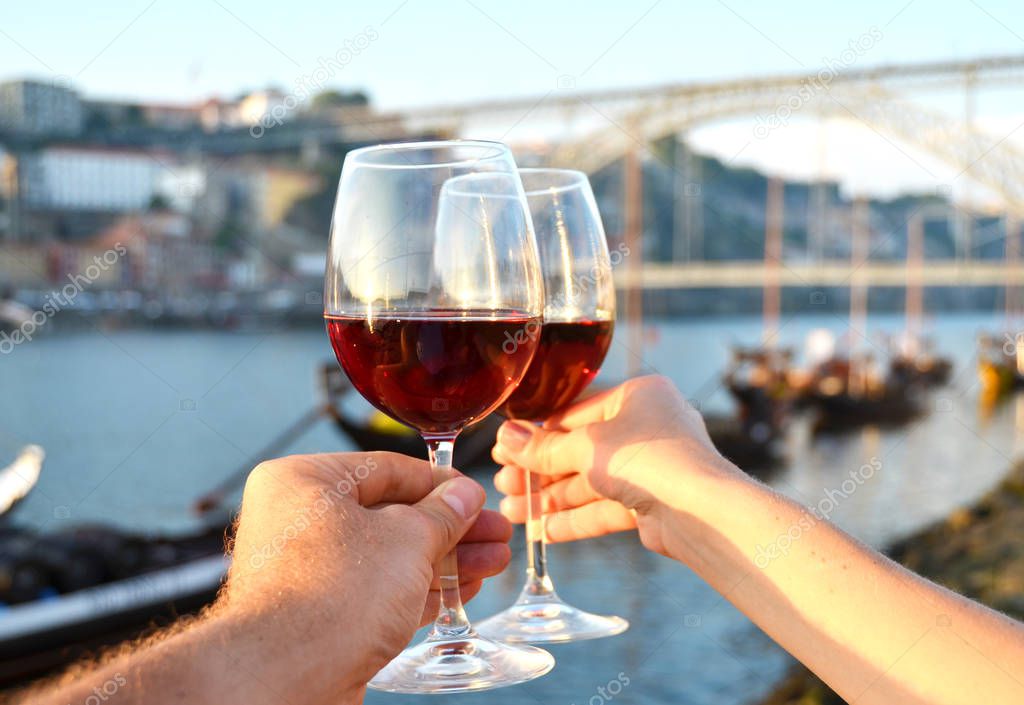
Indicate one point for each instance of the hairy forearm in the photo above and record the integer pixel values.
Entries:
(872, 630)
(222, 656)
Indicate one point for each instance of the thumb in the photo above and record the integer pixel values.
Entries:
(544, 451)
(450, 510)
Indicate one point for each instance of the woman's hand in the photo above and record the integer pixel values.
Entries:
(608, 463)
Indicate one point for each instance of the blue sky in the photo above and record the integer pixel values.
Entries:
(456, 50)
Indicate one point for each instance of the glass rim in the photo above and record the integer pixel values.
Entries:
(575, 179)
(491, 150)
(452, 186)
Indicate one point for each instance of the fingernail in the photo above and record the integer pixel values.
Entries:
(463, 495)
(514, 436)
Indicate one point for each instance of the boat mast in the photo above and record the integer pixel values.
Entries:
(858, 292)
(772, 296)
(1011, 252)
(914, 290)
(1011, 249)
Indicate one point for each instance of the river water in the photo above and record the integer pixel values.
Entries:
(137, 423)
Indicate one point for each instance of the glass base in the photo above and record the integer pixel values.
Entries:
(470, 663)
(546, 619)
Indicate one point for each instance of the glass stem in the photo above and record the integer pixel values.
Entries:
(538, 582)
(451, 619)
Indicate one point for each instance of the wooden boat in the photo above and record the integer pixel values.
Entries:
(845, 395)
(18, 478)
(846, 391)
(380, 432)
(764, 371)
(1001, 358)
(913, 360)
(926, 370)
(754, 446)
(69, 592)
(758, 380)
(1000, 366)
(13, 315)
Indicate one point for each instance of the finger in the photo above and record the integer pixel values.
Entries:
(511, 479)
(567, 493)
(478, 561)
(590, 520)
(514, 507)
(593, 409)
(371, 478)
(542, 451)
(383, 477)
(449, 510)
(391, 477)
(467, 591)
(489, 527)
(573, 491)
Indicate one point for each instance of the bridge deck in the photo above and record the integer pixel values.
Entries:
(755, 274)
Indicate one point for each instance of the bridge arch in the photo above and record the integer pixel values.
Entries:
(987, 160)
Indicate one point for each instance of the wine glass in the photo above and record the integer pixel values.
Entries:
(433, 302)
(579, 315)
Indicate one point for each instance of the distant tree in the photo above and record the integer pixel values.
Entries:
(159, 202)
(230, 236)
(339, 99)
(96, 121)
(133, 115)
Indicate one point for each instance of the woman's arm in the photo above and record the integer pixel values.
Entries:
(873, 631)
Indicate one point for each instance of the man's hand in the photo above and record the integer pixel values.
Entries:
(340, 548)
(332, 574)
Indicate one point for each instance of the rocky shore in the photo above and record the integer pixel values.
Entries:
(976, 551)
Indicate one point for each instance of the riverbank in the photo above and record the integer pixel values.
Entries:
(977, 551)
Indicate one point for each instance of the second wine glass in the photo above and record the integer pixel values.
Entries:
(432, 270)
(579, 316)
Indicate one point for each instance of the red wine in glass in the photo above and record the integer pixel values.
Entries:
(436, 371)
(579, 314)
(568, 357)
(433, 297)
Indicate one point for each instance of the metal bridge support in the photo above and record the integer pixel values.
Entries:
(633, 217)
(688, 204)
(914, 288)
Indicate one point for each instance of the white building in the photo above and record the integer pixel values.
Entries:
(37, 108)
(95, 179)
(256, 106)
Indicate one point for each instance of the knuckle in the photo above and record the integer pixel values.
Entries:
(442, 523)
(544, 452)
(260, 476)
(658, 383)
